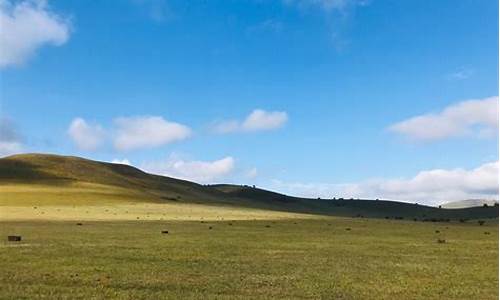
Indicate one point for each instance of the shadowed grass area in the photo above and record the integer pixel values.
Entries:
(330, 258)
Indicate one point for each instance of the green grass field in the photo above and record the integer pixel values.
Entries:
(329, 258)
(225, 241)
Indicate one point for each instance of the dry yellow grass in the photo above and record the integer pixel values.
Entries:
(88, 201)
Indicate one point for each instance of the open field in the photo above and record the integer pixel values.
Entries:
(294, 258)
(92, 230)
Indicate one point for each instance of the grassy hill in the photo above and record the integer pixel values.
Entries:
(37, 179)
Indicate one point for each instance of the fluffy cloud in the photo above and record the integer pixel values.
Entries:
(86, 136)
(198, 171)
(430, 187)
(10, 139)
(26, 26)
(147, 132)
(478, 117)
(257, 120)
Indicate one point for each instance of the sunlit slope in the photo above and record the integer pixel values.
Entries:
(45, 177)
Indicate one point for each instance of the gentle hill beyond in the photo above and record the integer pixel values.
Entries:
(44, 179)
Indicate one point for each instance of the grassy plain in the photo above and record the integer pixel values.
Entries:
(321, 257)
(225, 242)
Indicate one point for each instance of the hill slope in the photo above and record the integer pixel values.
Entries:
(35, 178)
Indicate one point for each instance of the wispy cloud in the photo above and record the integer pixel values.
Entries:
(26, 26)
(257, 120)
(477, 117)
(460, 74)
(10, 138)
(335, 13)
(157, 10)
(429, 187)
(327, 5)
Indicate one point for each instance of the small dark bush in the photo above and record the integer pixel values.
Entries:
(481, 222)
(437, 231)
(441, 241)
(164, 231)
(486, 232)
(79, 224)
(14, 238)
(348, 229)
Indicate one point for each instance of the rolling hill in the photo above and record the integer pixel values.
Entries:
(36, 179)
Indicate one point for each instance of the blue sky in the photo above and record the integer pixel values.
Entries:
(387, 99)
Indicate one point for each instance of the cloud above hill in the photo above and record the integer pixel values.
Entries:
(430, 187)
(473, 118)
(193, 170)
(10, 138)
(257, 120)
(86, 136)
(26, 26)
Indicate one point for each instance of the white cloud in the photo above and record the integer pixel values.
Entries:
(10, 139)
(86, 136)
(430, 187)
(477, 117)
(26, 26)
(257, 120)
(9, 148)
(121, 161)
(198, 171)
(147, 132)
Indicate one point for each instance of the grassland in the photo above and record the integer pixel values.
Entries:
(225, 241)
(328, 258)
